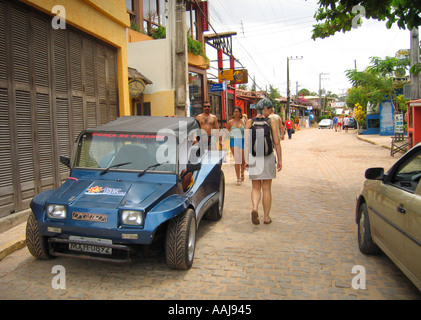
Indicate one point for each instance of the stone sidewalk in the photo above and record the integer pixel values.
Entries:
(307, 252)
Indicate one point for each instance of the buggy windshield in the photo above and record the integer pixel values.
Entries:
(126, 151)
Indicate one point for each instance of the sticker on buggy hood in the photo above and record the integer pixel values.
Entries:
(105, 191)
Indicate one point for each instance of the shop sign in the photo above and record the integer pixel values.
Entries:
(399, 123)
(226, 75)
(240, 76)
(204, 18)
(217, 87)
(136, 87)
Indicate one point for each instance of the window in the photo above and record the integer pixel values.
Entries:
(191, 21)
(154, 14)
(143, 109)
(129, 5)
(126, 151)
(196, 93)
(408, 174)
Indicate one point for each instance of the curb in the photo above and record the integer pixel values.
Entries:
(13, 220)
(372, 142)
(12, 233)
(12, 240)
(12, 246)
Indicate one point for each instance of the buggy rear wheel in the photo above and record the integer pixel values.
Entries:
(215, 212)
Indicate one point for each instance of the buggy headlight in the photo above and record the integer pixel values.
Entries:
(56, 211)
(132, 217)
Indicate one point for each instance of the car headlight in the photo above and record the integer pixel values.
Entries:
(132, 217)
(56, 211)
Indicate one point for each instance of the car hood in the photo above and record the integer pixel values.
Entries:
(108, 194)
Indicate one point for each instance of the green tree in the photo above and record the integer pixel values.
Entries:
(374, 83)
(304, 92)
(273, 95)
(338, 15)
(273, 92)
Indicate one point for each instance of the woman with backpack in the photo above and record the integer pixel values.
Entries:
(260, 158)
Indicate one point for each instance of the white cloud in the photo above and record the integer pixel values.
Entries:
(269, 31)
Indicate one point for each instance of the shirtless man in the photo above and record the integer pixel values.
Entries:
(208, 121)
(278, 121)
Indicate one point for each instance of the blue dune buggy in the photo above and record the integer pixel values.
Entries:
(133, 182)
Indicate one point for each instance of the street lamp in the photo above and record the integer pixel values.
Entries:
(287, 113)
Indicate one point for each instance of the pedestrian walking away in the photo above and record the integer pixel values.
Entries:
(340, 124)
(335, 123)
(346, 124)
(235, 127)
(278, 121)
(262, 168)
(288, 125)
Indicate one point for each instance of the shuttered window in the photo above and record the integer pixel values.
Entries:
(53, 84)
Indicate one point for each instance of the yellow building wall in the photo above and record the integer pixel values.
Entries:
(135, 36)
(105, 20)
(162, 103)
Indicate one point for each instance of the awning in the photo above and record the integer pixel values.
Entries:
(134, 74)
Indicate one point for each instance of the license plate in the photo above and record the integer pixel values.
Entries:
(89, 247)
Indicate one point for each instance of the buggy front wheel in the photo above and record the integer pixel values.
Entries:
(36, 243)
(181, 241)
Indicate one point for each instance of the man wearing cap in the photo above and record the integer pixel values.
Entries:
(265, 167)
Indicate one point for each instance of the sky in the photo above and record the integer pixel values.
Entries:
(270, 31)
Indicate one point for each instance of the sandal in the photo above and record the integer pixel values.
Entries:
(268, 222)
(242, 177)
(238, 182)
(255, 217)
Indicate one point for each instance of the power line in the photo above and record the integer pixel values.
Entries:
(238, 61)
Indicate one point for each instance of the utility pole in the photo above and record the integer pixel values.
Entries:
(287, 111)
(320, 89)
(414, 58)
(180, 74)
(296, 91)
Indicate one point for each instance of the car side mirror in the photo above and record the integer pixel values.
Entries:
(65, 160)
(374, 173)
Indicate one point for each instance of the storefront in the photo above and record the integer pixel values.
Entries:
(137, 85)
(53, 84)
(196, 93)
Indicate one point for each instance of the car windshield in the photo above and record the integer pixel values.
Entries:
(126, 151)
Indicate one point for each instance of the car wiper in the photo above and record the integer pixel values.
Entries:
(114, 166)
(150, 167)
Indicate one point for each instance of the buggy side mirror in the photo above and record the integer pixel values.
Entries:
(65, 160)
(191, 167)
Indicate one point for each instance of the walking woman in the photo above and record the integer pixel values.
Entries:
(264, 167)
(235, 126)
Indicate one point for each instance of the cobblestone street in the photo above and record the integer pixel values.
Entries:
(308, 251)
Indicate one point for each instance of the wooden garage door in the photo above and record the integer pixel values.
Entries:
(53, 84)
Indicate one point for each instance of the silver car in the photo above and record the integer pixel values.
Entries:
(326, 123)
(388, 214)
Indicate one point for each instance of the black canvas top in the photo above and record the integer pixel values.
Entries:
(148, 124)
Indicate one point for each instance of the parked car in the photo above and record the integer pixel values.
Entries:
(326, 123)
(388, 214)
(131, 185)
(352, 123)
